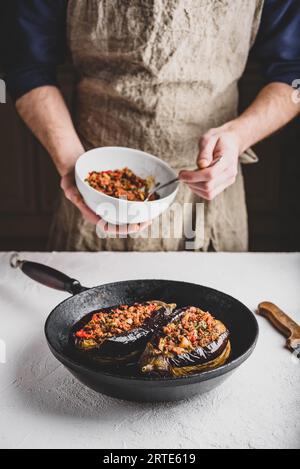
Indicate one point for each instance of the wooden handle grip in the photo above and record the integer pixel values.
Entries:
(281, 321)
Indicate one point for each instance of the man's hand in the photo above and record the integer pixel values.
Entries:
(45, 112)
(209, 182)
(272, 109)
(71, 192)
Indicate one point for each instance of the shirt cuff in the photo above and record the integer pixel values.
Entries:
(21, 80)
(284, 72)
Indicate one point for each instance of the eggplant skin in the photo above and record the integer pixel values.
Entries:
(123, 348)
(215, 363)
(215, 354)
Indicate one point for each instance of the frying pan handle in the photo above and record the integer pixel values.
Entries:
(47, 276)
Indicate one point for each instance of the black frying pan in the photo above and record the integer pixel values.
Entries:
(125, 382)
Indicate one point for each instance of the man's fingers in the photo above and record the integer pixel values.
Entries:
(201, 175)
(88, 214)
(102, 225)
(213, 177)
(132, 228)
(74, 196)
(206, 150)
(210, 194)
(210, 184)
(191, 177)
(144, 225)
(112, 229)
(128, 229)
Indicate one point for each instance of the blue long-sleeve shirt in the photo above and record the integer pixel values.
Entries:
(37, 31)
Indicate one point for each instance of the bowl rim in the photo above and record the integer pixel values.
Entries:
(109, 197)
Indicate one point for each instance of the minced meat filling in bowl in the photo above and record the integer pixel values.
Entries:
(122, 183)
(196, 328)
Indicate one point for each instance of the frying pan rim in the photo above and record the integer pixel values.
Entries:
(208, 374)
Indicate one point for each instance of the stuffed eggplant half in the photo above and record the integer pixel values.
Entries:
(192, 341)
(120, 333)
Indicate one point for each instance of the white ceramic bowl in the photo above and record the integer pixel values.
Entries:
(118, 211)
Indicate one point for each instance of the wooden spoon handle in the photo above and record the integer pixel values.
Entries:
(281, 321)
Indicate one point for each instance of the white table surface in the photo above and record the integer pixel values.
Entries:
(42, 405)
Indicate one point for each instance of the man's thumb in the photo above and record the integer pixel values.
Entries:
(206, 151)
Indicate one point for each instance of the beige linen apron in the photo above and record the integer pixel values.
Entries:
(155, 75)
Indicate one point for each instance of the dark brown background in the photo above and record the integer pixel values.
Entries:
(29, 183)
